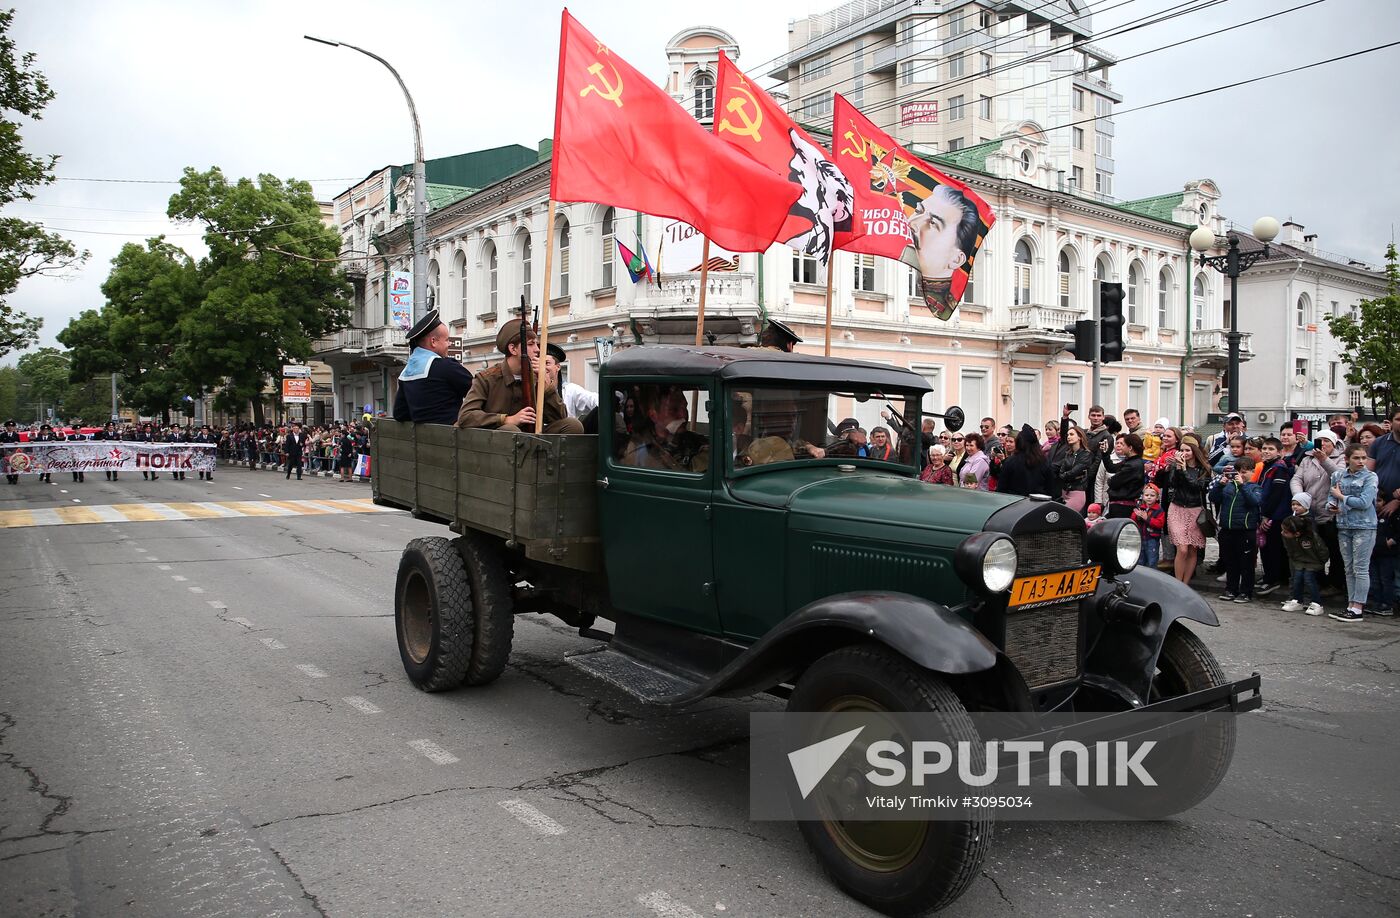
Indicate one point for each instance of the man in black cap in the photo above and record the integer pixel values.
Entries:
(10, 435)
(778, 337)
(497, 397)
(431, 387)
(46, 435)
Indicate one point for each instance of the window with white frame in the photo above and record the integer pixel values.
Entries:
(1103, 106)
(906, 73)
(1164, 287)
(564, 259)
(816, 67)
(459, 267)
(527, 267)
(434, 290)
(493, 278)
(818, 106)
(1103, 182)
(986, 63)
(1103, 144)
(609, 244)
(1078, 135)
(955, 144)
(955, 24)
(704, 96)
(984, 105)
(1103, 271)
(1021, 273)
(1079, 100)
(974, 391)
(955, 108)
(1198, 303)
(1166, 397)
(1332, 375)
(955, 66)
(864, 273)
(912, 282)
(1077, 175)
(1304, 308)
(1135, 293)
(1066, 279)
(1300, 368)
(969, 292)
(804, 268)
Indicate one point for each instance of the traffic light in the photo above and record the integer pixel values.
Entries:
(1110, 322)
(1083, 334)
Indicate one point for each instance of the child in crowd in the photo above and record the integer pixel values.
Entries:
(969, 481)
(1307, 555)
(1093, 515)
(1151, 520)
(1385, 565)
(1237, 503)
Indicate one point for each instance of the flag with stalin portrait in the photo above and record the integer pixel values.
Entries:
(940, 221)
(826, 214)
(619, 139)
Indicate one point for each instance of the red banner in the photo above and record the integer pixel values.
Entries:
(619, 139)
(939, 221)
(48, 456)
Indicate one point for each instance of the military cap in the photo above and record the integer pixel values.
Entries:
(779, 335)
(557, 352)
(424, 325)
(9, 423)
(847, 426)
(510, 332)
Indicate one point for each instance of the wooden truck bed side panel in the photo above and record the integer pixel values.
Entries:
(539, 492)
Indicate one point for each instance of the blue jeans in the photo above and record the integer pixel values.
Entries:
(1151, 551)
(1356, 556)
(1308, 579)
(1385, 581)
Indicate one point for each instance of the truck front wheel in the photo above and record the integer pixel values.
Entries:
(433, 614)
(897, 867)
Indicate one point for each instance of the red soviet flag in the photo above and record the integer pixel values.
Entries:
(937, 222)
(620, 139)
(824, 216)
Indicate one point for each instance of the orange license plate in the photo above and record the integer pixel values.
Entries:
(1027, 592)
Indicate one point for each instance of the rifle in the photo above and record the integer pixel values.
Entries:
(527, 375)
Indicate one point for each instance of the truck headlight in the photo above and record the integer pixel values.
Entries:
(986, 562)
(1116, 544)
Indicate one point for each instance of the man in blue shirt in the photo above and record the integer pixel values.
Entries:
(431, 386)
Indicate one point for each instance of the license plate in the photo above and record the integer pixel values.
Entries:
(1027, 592)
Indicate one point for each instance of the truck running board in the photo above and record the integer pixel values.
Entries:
(643, 682)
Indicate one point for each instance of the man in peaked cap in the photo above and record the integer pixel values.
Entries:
(10, 435)
(778, 337)
(431, 386)
(497, 397)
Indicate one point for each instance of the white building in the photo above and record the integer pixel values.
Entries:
(1284, 302)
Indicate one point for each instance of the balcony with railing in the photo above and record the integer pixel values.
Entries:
(1210, 347)
(683, 290)
(1044, 318)
(345, 341)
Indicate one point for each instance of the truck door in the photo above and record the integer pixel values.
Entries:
(656, 480)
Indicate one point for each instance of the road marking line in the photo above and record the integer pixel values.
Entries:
(196, 589)
(237, 488)
(77, 501)
(15, 518)
(315, 672)
(362, 705)
(299, 506)
(80, 515)
(194, 511)
(188, 510)
(62, 491)
(178, 579)
(663, 905)
(141, 550)
(433, 751)
(244, 622)
(272, 644)
(264, 495)
(162, 567)
(531, 817)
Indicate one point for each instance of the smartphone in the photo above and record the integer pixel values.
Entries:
(1072, 407)
(1302, 429)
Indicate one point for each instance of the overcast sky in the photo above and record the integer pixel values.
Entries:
(147, 88)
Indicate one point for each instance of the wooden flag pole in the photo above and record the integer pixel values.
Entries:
(704, 288)
(830, 273)
(544, 317)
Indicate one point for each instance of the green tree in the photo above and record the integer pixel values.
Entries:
(90, 400)
(270, 284)
(25, 248)
(1369, 340)
(9, 393)
(45, 374)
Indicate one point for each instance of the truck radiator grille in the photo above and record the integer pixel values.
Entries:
(1044, 642)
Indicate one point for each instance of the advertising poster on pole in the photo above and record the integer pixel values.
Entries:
(401, 298)
(296, 391)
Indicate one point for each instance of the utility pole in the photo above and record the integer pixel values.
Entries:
(114, 396)
(1096, 349)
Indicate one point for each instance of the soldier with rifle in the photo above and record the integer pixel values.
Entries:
(502, 398)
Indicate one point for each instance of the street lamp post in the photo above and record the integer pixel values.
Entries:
(1232, 264)
(420, 186)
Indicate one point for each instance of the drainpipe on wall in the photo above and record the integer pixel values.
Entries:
(1181, 386)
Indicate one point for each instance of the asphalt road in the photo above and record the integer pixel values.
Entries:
(209, 717)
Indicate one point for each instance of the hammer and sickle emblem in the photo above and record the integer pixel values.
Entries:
(748, 126)
(612, 93)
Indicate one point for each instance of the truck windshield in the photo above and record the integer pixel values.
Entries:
(785, 424)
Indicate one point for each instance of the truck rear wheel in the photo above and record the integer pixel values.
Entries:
(433, 614)
(1187, 768)
(492, 609)
(896, 867)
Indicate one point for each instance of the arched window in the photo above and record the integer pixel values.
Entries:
(1304, 310)
(563, 243)
(1022, 278)
(1103, 271)
(493, 278)
(1066, 279)
(704, 86)
(1135, 293)
(608, 246)
(459, 267)
(1198, 302)
(1164, 298)
(434, 286)
(523, 248)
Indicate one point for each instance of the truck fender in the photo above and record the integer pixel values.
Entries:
(1126, 649)
(928, 633)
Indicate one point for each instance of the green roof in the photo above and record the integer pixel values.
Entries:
(1158, 208)
(974, 157)
(440, 196)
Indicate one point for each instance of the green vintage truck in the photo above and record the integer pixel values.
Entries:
(737, 547)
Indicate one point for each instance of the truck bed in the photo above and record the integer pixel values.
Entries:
(537, 492)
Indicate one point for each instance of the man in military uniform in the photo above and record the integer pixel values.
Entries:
(778, 337)
(108, 432)
(10, 435)
(850, 441)
(496, 400)
(75, 435)
(46, 435)
(431, 385)
(205, 435)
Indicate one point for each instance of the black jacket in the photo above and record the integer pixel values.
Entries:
(1016, 477)
(1188, 485)
(293, 445)
(1126, 477)
(1072, 468)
